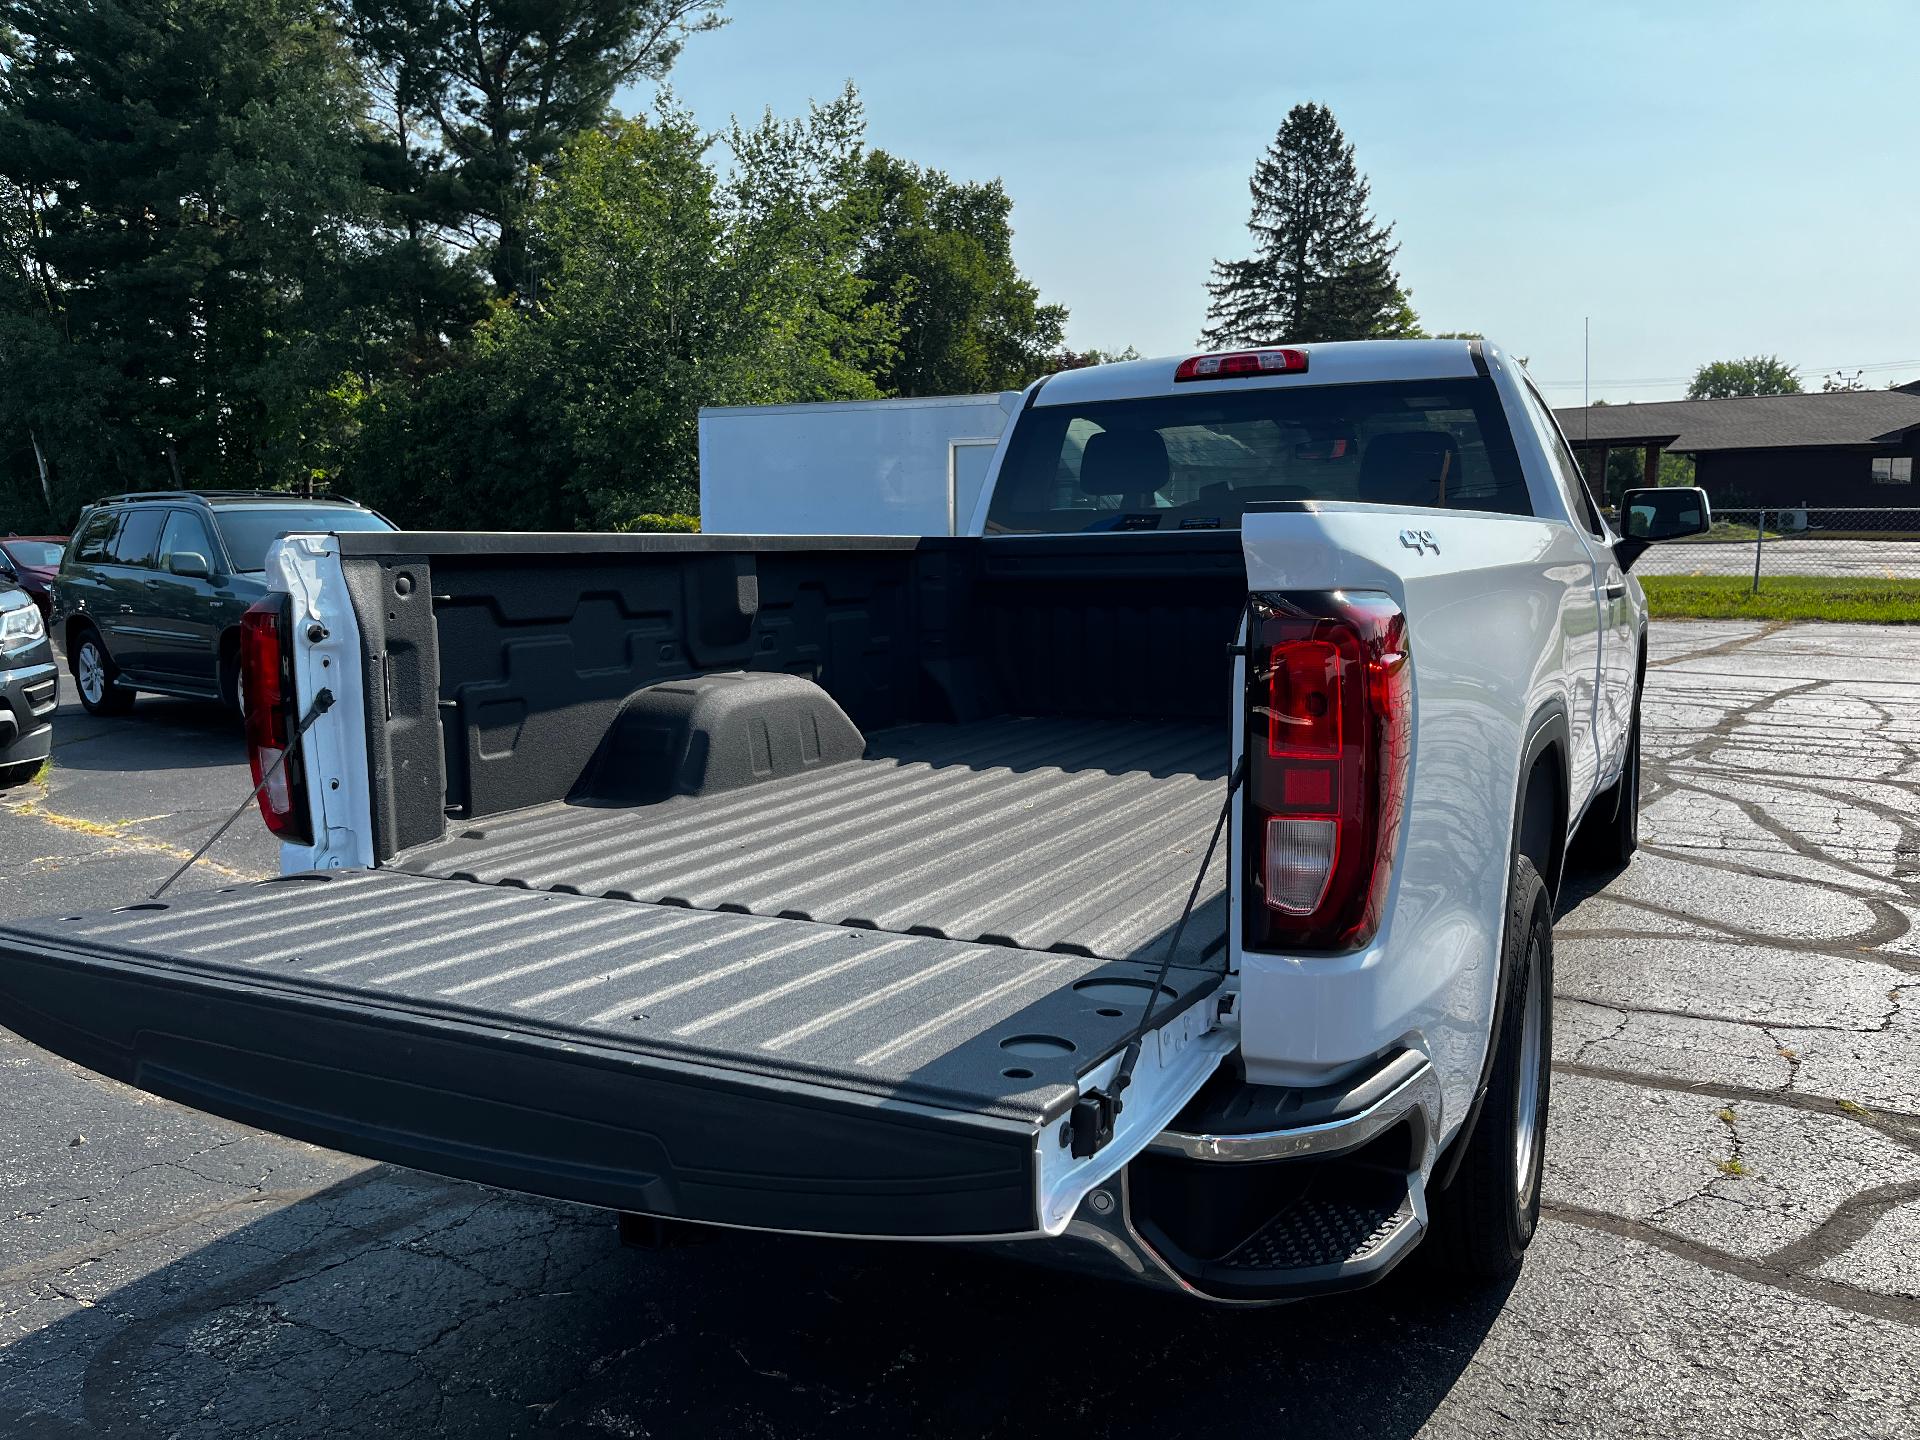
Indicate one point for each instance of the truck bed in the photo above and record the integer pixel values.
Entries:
(1049, 834)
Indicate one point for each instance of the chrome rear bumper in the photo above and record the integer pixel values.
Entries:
(1370, 1214)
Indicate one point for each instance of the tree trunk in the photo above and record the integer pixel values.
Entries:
(40, 459)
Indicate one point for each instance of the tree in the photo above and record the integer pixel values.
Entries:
(1752, 375)
(181, 203)
(479, 95)
(663, 290)
(941, 251)
(1843, 382)
(1070, 359)
(1322, 267)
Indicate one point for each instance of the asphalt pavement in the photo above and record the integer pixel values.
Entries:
(1730, 1243)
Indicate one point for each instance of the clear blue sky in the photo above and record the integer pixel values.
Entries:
(1704, 179)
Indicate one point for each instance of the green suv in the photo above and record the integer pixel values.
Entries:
(152, 587)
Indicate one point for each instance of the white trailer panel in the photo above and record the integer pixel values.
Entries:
(860, 467)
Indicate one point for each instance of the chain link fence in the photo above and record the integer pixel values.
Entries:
(1801, 540)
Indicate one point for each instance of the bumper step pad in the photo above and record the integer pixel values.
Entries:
(1318, 1231)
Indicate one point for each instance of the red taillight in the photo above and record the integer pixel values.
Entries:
(1329, 690)
(273, 721)
(1237, 364)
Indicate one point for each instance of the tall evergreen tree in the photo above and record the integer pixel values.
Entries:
(476, 95)
(184, 205)
(1322, 267)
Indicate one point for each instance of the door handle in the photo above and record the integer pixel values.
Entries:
(126, 609)
(1616, 590)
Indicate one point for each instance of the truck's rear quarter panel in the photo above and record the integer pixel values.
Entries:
(1489, 600)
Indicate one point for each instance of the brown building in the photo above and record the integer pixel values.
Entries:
(1844, 448)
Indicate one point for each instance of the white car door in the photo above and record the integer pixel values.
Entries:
(1591, 723)
(1619, 638)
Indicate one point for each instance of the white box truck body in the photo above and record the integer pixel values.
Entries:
(860, 467)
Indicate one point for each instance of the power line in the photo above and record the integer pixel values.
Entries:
(1874, 368)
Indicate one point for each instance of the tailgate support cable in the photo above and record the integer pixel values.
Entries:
(1093, 1118)
(322, 703)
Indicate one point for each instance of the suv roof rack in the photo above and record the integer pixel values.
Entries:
(288, 495)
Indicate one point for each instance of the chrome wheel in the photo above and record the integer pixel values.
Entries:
(91, 673)
(1526, 1088)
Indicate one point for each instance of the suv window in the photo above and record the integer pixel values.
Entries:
(95, 535)
(1195, 461)
(185, 532)
(138, 536)
(249, 531)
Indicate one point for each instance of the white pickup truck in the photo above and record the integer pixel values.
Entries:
(1158, 879)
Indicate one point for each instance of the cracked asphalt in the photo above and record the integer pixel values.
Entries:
(1731, 1244)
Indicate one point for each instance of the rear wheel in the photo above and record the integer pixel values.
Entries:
(1484, 1220)
(97, 679)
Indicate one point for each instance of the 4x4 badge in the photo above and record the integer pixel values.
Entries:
(1421, 540)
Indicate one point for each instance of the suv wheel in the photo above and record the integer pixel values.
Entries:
(97, 679)
(1485, 1218)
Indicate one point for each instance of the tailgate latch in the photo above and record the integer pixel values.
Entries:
(1091, 1124)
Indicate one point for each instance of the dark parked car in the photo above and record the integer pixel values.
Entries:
(28, 686)
(31, 562)
(152, 588)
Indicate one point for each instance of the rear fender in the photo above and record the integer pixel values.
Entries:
(1485, 598)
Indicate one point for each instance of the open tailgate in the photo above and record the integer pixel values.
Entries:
(738, 1069)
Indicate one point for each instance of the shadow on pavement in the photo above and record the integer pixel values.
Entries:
(159, 731)
(393, 1300)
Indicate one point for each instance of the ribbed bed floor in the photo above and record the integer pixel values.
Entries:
(1049, 834)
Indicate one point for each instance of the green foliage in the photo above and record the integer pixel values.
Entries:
(1784, 597)
(475, 97)
(181, 207)
(1626, 470)
(1065, 359)
(1322, 267)
(941, 252)
(1752, 375)
(404, 248)
(661, 524)
(664, 290)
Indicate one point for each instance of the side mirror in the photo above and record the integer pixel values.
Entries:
(1671, 512)
(189, 565)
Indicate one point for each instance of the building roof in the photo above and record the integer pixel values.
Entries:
(1753, 422)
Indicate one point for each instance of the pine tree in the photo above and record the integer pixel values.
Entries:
(191, 202)
(1322, 267)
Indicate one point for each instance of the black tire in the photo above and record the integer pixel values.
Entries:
(90, 657)
(1485, 1218)
(233, 689)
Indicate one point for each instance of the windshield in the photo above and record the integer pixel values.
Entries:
(1195, 461)
(33, 552)
(248, 533)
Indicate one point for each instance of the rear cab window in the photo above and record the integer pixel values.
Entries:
(1195, 462)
